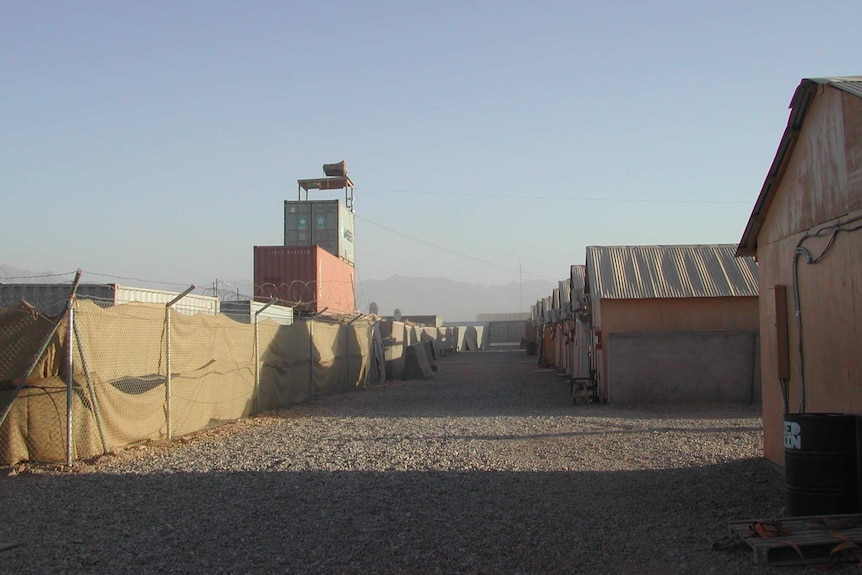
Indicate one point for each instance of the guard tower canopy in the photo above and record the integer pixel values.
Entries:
(326, 183)
(323, 184)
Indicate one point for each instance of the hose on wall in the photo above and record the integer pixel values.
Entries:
(850, 223)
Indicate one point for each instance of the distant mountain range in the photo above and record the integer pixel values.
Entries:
(454, 300)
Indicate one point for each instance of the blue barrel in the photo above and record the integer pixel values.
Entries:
(820, 464)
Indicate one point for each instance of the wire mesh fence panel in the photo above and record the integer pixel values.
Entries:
(285, 364)
(119, 374)
(359, 352)
(30, 402)
(144, 371)
(212, 371)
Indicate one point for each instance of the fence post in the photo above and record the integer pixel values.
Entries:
(257, 356)
(70, 381)
(310, 358)
(168, 357)
(349, 327)
(97, 412)
(346, 329)
(28, 371)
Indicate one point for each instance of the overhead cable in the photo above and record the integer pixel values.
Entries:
(451, 251)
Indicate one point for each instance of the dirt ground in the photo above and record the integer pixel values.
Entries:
(486, 467)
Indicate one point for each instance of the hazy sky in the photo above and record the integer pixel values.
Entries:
(159, 140)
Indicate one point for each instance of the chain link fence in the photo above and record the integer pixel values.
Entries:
(32, 397)
(105, 376)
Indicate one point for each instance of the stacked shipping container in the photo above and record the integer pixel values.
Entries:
(326, 223)
(308, 278)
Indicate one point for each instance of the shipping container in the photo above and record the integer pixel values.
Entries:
(245, 310)
(325, 223)
(309, 279)
(50, 299)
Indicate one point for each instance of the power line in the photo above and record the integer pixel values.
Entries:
(58, 275)
(556, 198)
(451, 251)
(137, 279)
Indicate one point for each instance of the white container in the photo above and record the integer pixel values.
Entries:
(244, 311)
(50, 299)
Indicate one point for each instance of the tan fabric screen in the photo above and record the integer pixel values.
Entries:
(120, 375)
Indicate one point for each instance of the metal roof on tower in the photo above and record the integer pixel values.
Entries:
(337, 183)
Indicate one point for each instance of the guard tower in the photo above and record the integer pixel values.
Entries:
(326, 223)
(336, 179)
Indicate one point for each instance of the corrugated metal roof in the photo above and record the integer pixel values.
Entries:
(577, 275)
(850, 84)
(640, 272)
(565, 294)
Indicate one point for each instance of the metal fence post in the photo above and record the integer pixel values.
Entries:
(168, 370)
(28, 371)
(97, 412)
(349, 327)
(310, 358)
(257, 357)
(168, 358)
(70, 380)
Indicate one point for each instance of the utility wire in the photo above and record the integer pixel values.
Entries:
(556, 198)
(451, 251)
(2, 278)
(137, 279)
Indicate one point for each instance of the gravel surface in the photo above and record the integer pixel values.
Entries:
(485, 468)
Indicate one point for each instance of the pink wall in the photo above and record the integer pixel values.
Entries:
(823, 181)
(683, 314)
(308, 277)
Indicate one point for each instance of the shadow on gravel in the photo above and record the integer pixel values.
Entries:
(639, 433)
(385, 522)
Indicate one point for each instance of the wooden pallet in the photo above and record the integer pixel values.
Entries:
(802, 540)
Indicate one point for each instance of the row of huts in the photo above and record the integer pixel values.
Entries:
(775, 319)
(655, 324)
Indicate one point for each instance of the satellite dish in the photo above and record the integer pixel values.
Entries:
(396, 315)
(372, 308)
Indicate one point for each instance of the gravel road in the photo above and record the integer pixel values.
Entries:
(485, 468)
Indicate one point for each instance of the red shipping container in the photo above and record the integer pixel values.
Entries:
(307, 278)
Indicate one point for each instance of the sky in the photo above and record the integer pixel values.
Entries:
(488, 141)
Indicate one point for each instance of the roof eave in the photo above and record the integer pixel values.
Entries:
(746, 252)
(799, 106)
